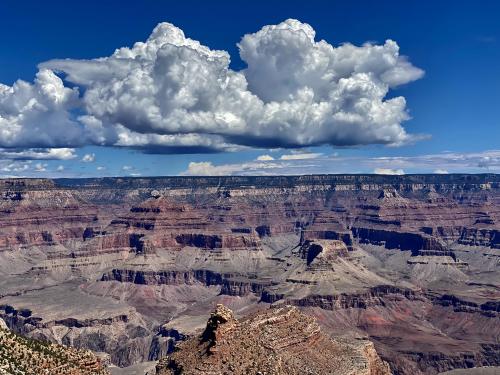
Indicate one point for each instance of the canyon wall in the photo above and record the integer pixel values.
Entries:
(129, 266)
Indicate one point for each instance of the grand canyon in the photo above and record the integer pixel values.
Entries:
(400, 272)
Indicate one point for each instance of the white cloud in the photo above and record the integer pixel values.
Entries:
(300, 156)
(101, 168)
(127, 168)
(16, 167)
(36, 115)
(206, 168)
(172, 94)
(389, 171)
(265, 158)
(38, 154)
(40, 167)
(478, 162)
(88, 158)
(60, 168)
(440, 171)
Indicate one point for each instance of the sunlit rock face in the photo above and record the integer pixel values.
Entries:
(131, 266)
(278, 341)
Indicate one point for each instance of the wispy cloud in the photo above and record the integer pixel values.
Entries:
(446, 162)
(38, 154)
(388, 171)
(301, 156)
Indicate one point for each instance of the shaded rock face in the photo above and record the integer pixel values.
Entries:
(322, 252)
(398, 240)
(230, 285)
(409, 261)
(123, 337)
(277, 341)
(221, 321)
(373, 297)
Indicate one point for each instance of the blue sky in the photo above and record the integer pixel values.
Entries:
(454, 104)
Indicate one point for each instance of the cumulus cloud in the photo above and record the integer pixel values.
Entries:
(206, 168)
(14, 167)
(36, 115)
(265, 158)
(40, 167)
(389, 171)
(173, 94)
(88, 158)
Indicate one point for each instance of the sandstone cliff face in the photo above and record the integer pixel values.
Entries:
(275, 342)
(410, 261)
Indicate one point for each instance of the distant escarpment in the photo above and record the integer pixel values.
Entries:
(231, 284)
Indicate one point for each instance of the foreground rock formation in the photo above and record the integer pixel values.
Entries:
(131, 266)
(22, 356)
(274, 342)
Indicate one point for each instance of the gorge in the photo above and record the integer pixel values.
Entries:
(130, 267)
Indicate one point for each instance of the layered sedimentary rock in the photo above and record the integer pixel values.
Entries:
(118, 265)
(277, 341)
(22, 356)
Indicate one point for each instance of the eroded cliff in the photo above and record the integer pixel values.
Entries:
(118, 265)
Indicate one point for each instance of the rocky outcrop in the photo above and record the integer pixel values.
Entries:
(275, 342)
(432, 361)
(221, 321)
(488, 308)
(164, 342)
(124, 337)
(24, 321)
(376, 296)
(231, 284)
(480, 237)
(397, 240)
(320, 254)
(23, 356)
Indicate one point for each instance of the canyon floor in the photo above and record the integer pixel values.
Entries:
(132, 267)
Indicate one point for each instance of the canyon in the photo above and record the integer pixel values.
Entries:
(130, 268)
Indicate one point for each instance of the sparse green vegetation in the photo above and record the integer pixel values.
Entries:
(24, 356)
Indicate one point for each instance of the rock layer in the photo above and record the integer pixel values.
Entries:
(22, 356)
(275, 342)
(107, 264)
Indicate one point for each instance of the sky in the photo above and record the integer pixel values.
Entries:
(128, 88)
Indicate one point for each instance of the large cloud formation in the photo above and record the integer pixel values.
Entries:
(173, 94)
(36, 115)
